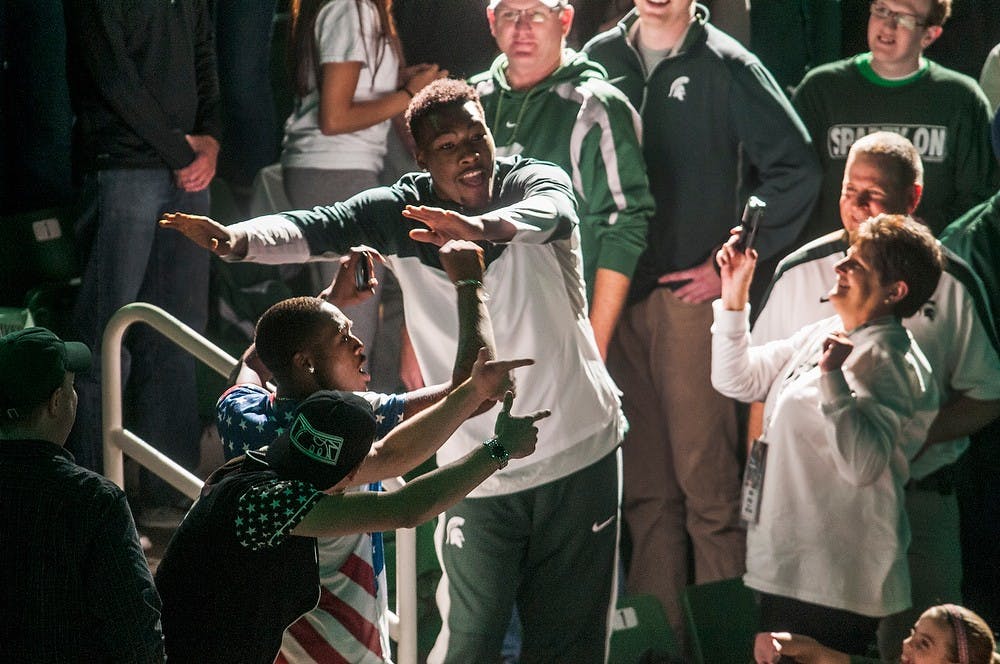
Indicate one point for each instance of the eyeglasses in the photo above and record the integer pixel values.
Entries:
(538, 15)
(903, 20)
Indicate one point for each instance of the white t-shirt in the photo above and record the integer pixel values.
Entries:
(340, 38)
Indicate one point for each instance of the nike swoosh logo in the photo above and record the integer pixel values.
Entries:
(598, 527)
(510, 125)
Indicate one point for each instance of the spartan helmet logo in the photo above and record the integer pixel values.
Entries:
(677, 90)
(453, 531)
(315, 444)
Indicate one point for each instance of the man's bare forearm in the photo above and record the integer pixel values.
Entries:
(475, 328)
(610, 292)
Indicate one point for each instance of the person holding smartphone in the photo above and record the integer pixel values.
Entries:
(848, 401)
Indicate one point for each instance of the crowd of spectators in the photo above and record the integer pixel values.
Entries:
(816, 413)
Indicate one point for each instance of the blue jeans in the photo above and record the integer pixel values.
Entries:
(129, 258)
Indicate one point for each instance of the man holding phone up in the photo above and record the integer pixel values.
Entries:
(716, 129)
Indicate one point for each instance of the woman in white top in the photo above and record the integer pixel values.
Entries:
(345, 62)
(847, 402)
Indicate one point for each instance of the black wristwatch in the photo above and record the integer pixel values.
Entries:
(498, 452)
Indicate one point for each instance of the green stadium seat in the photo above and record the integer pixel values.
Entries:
(640, 629)
(722, 618)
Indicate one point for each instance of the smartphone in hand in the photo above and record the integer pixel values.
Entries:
(752, 215)
(363, 273)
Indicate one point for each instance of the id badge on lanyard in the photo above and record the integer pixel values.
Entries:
(753, 483)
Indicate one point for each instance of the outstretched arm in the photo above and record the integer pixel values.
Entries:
(207, 233)
(463, 262)
(544, 210)
(429, 494)
(416, 439)
(444, 225)
(771, 647)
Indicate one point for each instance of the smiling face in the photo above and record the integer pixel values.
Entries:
(533, 47)
(870, 188)
(930, 642)
(858, 295)
(455, 146)
(666, 11)
(336, 355)
(896, 49)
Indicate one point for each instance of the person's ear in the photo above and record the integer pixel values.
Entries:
(492, 19)
(566, 19)
(55, 401)
(897, 291)
(303, 362)
(915, 194)
(931, 33)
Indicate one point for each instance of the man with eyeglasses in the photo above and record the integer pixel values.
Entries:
(548, 102)
(893, 87)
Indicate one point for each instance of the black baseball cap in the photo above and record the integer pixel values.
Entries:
(33, 363)
(331, 433)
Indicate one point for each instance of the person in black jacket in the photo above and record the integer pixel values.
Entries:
(143, 85)
(716, 129)
(75, 584)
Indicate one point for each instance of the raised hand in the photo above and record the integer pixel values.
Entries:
(518, 435)
(343, 290)
(736, 270)
(462, 260)
(204, 232)
(443, 225)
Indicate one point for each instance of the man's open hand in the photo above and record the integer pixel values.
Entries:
(204, 232)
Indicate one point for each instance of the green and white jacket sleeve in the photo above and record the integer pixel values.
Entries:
(609, 177)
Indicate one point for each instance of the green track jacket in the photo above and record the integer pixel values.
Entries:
(579, 121)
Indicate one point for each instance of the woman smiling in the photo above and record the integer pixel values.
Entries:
(945, 634)
(847, 402)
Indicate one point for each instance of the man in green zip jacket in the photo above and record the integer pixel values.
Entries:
(545, 101)
(716, 129)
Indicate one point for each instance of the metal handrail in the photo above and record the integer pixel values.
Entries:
(119, 441)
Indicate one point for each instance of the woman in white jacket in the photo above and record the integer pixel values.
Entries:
(847, 402)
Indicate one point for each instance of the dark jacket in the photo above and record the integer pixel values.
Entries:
(141, 75)
(224, 602)
(716, 128)
(74, 583)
